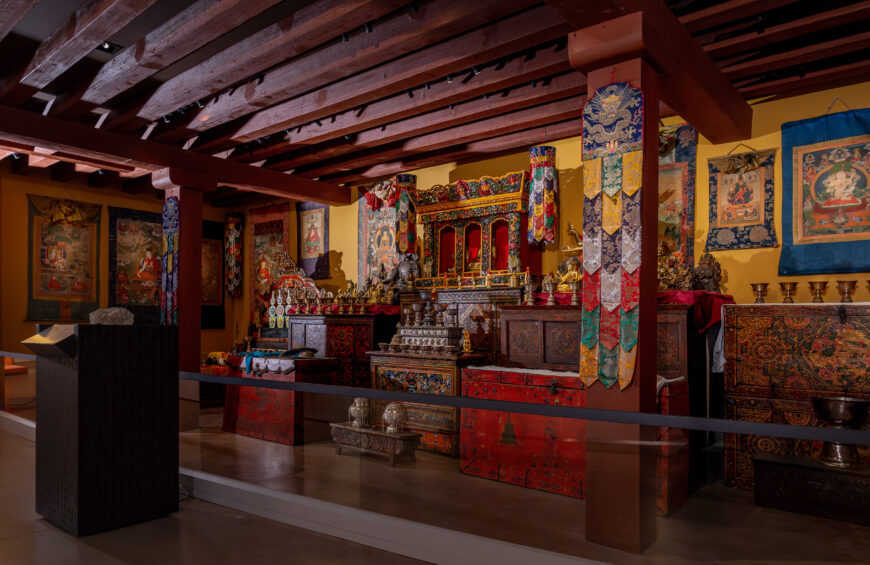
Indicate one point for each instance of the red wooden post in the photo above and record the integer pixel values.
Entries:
(187, 188)
(620, 458)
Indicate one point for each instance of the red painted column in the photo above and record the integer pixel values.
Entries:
(620, 458)
(188, 189)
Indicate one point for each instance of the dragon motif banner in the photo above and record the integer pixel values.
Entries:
(678, 146)
(826, 194)
(612, 175)
(169, 263)
(542, 194)
(63, 271)
(135, 251)
(741, 201)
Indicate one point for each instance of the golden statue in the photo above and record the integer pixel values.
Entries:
(572, 275)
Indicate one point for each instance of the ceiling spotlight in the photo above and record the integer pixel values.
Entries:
(109, 47)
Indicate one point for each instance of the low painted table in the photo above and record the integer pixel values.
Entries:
(375, 442)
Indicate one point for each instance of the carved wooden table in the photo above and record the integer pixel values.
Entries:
(376, 442)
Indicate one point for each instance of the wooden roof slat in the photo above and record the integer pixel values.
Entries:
(62, 171)
(480, 46)
(397, 36)
(80, 34)
(840, 75)
(198, 24)
(850, 13)
(499, 125)
(20, 126)
(729, 11)
(482, 149)
(304, 30)
(11, 12)
(40, 153)
(802, 55)
(563, 86)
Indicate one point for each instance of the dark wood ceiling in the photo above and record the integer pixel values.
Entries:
(350, 91)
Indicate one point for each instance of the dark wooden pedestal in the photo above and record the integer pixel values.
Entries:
(799, 484)
(375, 442)
(107, 440)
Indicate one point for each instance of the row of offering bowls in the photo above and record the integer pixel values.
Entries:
(418, 348)
(846, 288)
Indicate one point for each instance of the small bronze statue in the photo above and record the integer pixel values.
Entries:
(708, 273)
(672, 274)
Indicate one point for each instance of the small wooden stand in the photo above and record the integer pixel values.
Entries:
(374, 441)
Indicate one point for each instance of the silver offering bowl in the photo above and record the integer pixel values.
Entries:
(843, 413)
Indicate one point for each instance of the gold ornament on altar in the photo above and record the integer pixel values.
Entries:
(572, 275)
(672, 274)
(466, 342)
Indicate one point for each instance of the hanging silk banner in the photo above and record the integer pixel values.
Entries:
(612, 174)
(406, 215)
(542, 194)
(233, 230)
(169, 264)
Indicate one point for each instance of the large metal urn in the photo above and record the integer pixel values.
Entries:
(843, 413)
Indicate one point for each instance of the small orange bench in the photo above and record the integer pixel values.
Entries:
(14, 369)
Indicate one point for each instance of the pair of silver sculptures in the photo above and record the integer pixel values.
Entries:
(393, 417)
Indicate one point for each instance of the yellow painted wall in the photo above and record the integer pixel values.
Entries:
(14, 252)
(742, 267)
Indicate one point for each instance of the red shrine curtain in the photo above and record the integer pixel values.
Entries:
(499, 255)
(472, 247)
(446, 249)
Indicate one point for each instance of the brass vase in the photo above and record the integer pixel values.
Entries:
(760, 290)
(818, 287)
(842, 413)
(787, 289)
(847, 289)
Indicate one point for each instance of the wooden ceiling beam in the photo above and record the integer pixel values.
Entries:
(102, 178)
(809, 82)
(198, 24)
(141, 184)
(304, 30)
(476, 150)
(20, 164)
(62, 171)
(41, 153)
(571, 84)
(690, 82)
(407, 32)
(12, 12)
(20, 126)
(491, 127)
(800, 56)
(75, 38)
(478, 47)
(827, 19)
(725, 12)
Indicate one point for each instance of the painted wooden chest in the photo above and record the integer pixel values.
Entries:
(277, 415)
(540, 337)
(777, 357)
(345, 337)
(409, 372)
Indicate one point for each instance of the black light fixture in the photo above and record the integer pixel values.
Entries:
(109, 47)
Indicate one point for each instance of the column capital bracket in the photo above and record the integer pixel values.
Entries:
(170, 177)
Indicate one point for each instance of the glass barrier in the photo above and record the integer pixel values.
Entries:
(545, 481)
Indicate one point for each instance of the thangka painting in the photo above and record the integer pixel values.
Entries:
(741, 201)
(212, 275)
(135, 249)
(271, 232)
(678, 146)
(612, 177)
(63, 268)
(377, 240)
(313, 226)
(826, 194)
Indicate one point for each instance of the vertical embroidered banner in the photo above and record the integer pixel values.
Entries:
(542, 194)
(612, 174)
(406, 215)
(169, 264)
(233, 230)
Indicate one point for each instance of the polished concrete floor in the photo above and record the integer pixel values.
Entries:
(717, 525)
(199, 533)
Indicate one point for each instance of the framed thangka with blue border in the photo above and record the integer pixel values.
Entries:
(741, 201)
(313, 226)
(826, 194)
(678, 147)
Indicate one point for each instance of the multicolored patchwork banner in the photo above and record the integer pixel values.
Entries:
(612, 176)
(542, 194)
(233, 230)
(169, 263)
